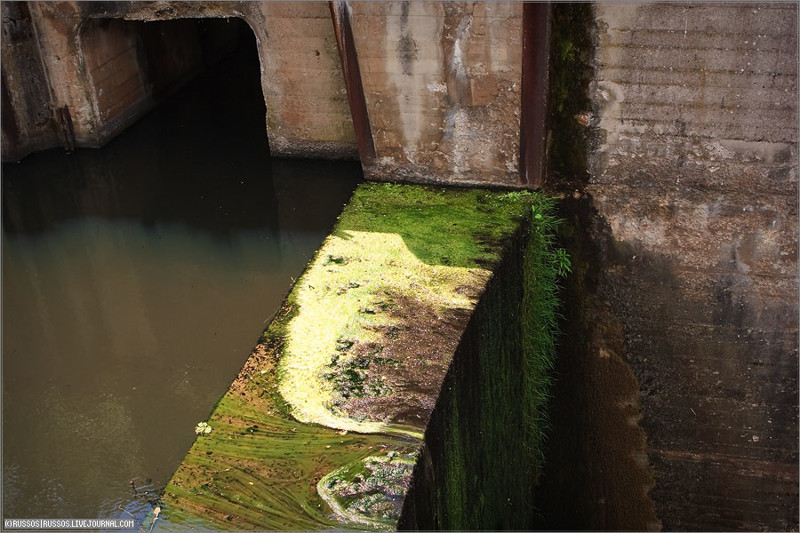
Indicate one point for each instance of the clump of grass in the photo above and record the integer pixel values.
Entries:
(544, 265)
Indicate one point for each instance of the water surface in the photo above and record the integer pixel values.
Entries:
(136, 280)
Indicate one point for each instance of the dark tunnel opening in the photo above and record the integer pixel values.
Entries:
(134, 66)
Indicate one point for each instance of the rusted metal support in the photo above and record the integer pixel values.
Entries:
(533, 119)
(65, 121)
(8, 120)
(340, 14)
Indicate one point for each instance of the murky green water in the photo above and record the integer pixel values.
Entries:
(136, 280)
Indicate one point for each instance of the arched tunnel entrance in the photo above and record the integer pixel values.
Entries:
(132, 66)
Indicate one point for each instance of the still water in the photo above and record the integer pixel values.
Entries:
(136, 280)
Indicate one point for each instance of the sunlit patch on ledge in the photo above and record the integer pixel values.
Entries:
(340, 355)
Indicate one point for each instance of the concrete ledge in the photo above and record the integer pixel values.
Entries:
(298, 148)
(324, 427)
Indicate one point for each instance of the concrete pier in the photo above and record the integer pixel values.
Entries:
(412, 356)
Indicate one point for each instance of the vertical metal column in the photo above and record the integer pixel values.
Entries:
(535, 87)
(340, 15)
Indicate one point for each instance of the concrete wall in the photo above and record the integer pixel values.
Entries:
(301, 79)
(111, 60)
(442, 83)
(693, 198)
(28, 120)
(56, 27)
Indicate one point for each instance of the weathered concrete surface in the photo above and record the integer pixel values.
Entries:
(301, 78)
(597, 475)
(691, 206)
(442, 81)
(28, 120)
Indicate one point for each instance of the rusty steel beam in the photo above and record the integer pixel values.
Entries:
(533, 115)
(340, 15)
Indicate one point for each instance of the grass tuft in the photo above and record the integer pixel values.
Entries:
(544, 266)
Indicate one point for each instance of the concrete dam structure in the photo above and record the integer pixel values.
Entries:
(668, 131)
(439, 91)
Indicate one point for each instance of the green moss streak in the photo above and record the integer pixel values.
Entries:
(258, 471)
(491, 420)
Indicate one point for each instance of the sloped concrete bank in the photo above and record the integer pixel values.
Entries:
(412, 354)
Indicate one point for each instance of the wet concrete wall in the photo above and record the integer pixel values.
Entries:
(684, 387)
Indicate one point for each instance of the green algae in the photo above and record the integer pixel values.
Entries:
(429, 245)
(349, 369)
(256, 470)
(380, 263)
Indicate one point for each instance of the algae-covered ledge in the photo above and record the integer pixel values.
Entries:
(324, 425)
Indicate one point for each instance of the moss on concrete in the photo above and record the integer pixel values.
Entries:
(343, 382)
(256, 470)
(398, 251)
(570, 76)
(483, 453)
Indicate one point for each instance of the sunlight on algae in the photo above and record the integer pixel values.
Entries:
(339, 297)
(432, 246)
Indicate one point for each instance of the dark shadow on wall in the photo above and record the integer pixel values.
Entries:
(715, 353)
(690, 348)
(596, 475)
(132, 66)
(697, 364)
